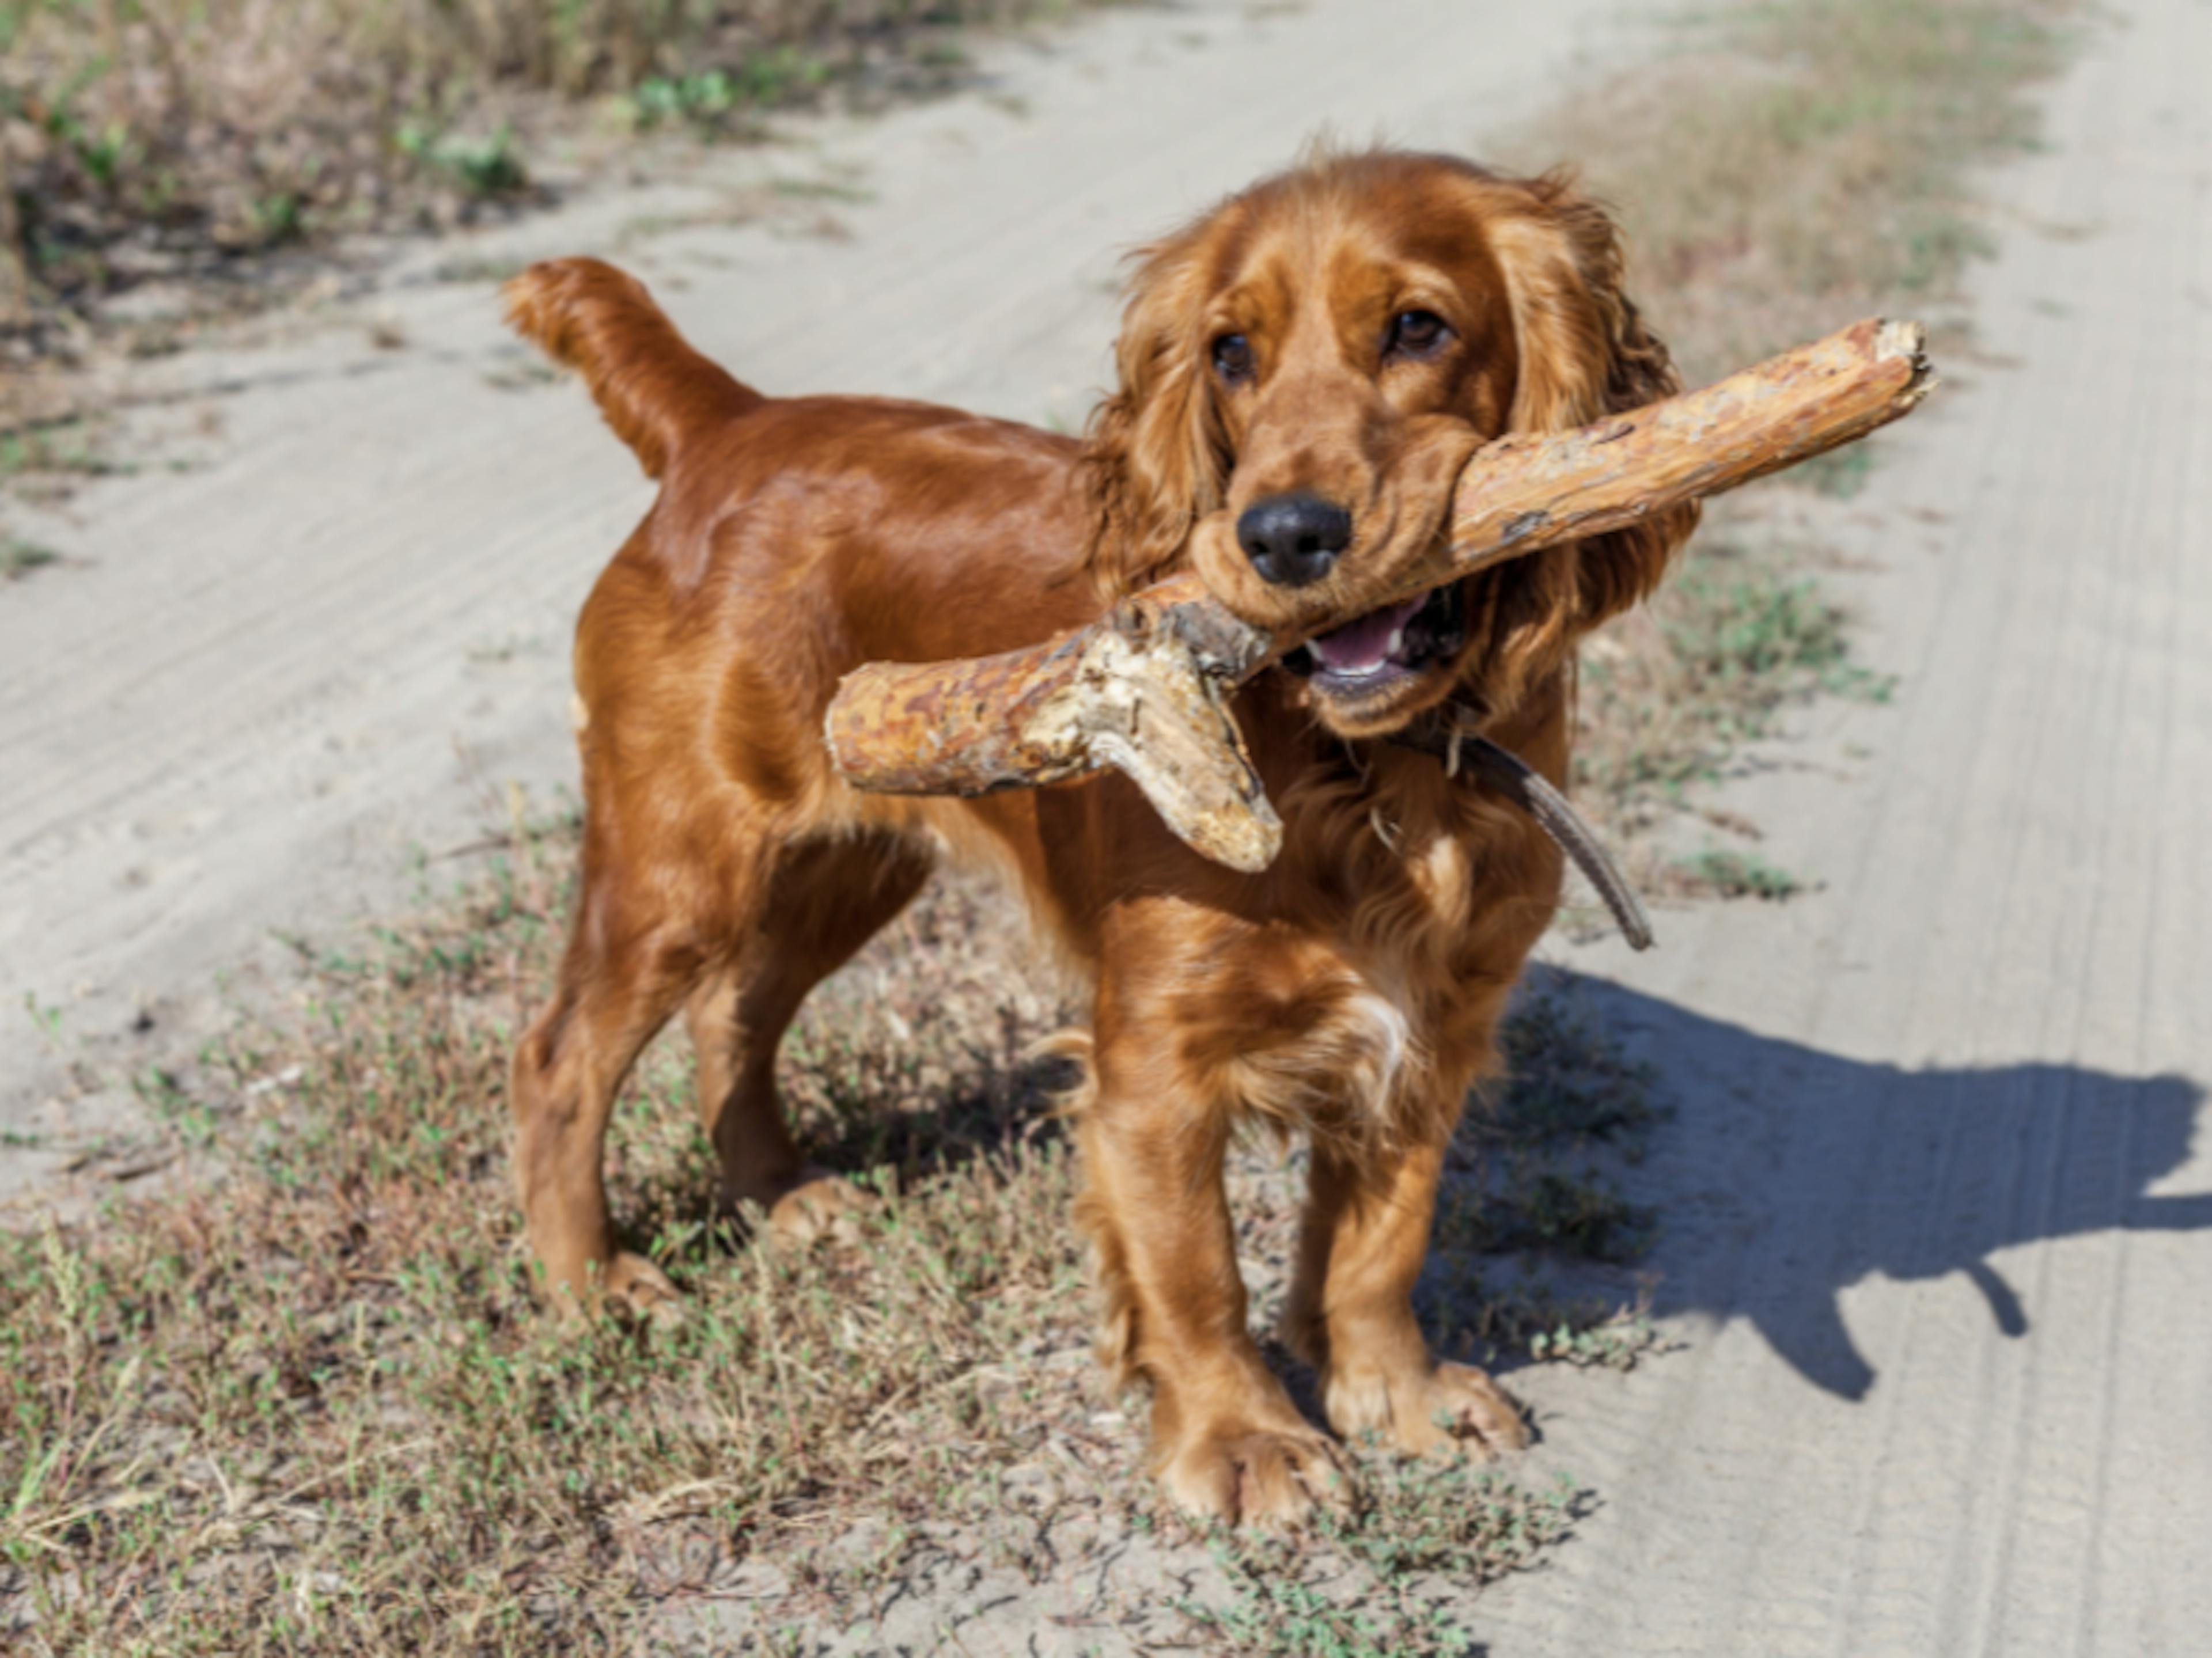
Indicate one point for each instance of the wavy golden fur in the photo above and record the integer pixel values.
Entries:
(1343, 333)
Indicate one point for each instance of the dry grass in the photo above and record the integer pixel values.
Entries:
(1803, 163)
(306, 1403)
(148, 138)
(1796, 166)
(202, 158)
(1741, 633)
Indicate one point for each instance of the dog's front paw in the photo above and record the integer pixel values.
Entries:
(1447, 1408)
(587, 1285)
(642, 1286)
(1246, 1475)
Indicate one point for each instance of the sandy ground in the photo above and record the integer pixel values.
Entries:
(1937, 1196)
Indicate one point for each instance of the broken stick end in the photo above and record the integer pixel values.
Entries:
(1902, 337)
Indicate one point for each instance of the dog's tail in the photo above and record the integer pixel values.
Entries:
(653, 388)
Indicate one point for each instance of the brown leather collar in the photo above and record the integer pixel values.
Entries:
(1448, 736)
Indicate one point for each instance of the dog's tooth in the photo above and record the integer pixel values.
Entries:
(1397, 642)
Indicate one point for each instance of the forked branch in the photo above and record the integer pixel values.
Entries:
(1145, 688)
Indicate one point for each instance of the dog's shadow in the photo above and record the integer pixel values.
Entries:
(1784, 1176)
(1787, 1175)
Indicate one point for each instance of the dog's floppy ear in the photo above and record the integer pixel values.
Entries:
(1584, 352)
(1158, 460)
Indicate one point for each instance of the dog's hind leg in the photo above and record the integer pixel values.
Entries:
(825, 900)
(618, 985)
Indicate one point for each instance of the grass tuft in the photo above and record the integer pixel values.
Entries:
(1670, 694)
(1371, 1586)
(1738, 875)
(19, 558)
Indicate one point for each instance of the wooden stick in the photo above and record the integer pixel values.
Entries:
(1145, 688)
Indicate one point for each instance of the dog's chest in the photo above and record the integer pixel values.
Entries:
(1394, 1018)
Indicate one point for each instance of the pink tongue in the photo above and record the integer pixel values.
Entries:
(1359, 646)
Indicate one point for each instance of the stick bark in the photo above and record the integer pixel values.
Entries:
(1144, 689)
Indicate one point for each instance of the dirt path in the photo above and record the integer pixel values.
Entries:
(261, 685)
(1937, 1205)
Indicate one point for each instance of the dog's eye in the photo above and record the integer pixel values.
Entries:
(1416, 334)
(1232, 359)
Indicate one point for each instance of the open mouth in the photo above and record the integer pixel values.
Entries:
(1385, 647)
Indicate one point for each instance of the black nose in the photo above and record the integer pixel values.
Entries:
(1293, 539)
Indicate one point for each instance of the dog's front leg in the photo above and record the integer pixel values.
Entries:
(1227, 1442)
(1351, 1311)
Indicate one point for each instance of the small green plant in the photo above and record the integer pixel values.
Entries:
(1571, 1093)
(1614, 1342)
(1579, 1212)
(278, 216)
(704, 99)
(100, 148)
(1531, 1202)
(483, 166)
(1585, 1331)
(764, 79)
(69, 446)
(1748, 625)
(19, 558)
(47, 1018)
(196, 1123)
(1740, 875)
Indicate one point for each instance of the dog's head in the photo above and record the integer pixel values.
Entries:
(1304, 370)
